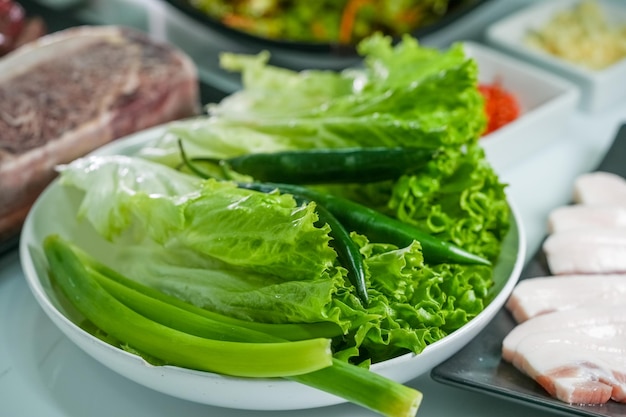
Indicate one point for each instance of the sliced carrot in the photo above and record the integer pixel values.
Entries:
(348, 18)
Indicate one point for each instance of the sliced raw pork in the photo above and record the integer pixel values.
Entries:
(580, 216)
(572, 333)
(534, 296)
(70, 92)
(562, 320)
(602, 188)
(586, 251)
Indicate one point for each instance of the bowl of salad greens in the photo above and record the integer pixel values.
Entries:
(316, 238)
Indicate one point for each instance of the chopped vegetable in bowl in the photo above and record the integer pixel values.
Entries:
(582, 35)
(326, 21)
(501, 106)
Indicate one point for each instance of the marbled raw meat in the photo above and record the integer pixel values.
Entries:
(70, 92)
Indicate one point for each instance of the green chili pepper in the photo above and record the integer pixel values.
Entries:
(348, 252)
(345, 214)
(321, 166)
(377, 226)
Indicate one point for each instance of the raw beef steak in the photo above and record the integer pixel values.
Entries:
(73, 91)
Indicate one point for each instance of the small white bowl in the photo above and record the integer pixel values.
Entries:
(600, 88)
(546, 102)
(55, 212)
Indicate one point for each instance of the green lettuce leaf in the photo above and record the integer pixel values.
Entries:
(403, 95)
(240, 252)
(114, 183)
(458, 198)
(406, 95)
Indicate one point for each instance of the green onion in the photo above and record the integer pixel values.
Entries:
(324, 166)
(174, 346)
(286, 331)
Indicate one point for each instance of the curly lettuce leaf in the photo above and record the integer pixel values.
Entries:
(414, 304)
(458, 198)
(404, 95)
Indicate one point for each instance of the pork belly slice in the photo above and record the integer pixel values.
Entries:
(70, 92)
(599, 315)
(580, 365)
(586, 251)
(602, 188)
(586, 216)
(540, 295)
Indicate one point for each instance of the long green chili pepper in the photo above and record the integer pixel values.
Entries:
(181, 349)
(377, 226)
(321, 166)
(348, 252)
(352, 383)
(373, 224)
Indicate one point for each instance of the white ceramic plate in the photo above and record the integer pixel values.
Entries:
(546, 103)
(54, 212)
(601, 88)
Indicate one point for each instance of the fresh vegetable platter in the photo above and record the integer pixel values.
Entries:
(131, 246)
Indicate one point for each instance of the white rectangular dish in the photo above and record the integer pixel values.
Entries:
(546, 101)
(600, 88)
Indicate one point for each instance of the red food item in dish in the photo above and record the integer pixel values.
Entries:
(12, 18)
(16, 28)
(501, 106)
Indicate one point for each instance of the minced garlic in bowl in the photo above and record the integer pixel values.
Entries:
(583, 36)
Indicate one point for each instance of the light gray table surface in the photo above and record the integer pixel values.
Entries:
(43, 374)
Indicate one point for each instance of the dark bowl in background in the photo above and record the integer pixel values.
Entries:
(457, 9)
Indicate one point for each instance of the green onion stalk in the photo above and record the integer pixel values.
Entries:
(142, 318)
